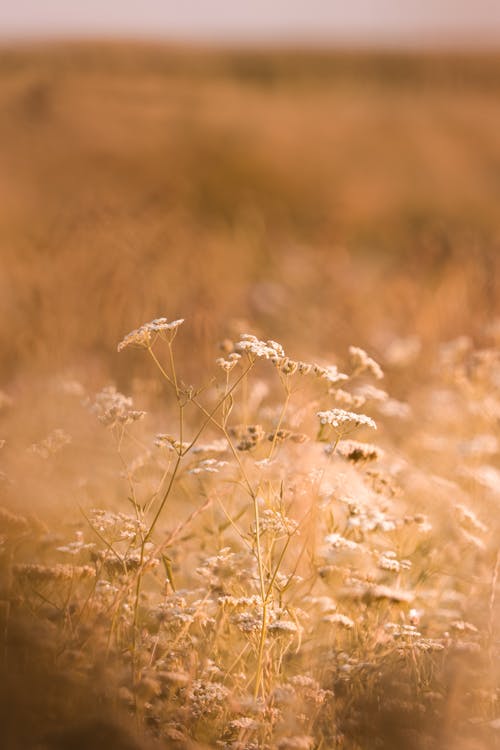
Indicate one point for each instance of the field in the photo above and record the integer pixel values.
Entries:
(249, 399)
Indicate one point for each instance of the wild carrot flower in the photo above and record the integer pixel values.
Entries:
(341, 420)
(146, 334)
(261, 349)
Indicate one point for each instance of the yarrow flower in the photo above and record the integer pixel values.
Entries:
(147, 333)
(341, 420)
(263, 349)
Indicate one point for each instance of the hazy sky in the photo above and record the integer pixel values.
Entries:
(420, 21)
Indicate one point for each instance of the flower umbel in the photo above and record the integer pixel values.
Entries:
(342, 420)
(146, 334)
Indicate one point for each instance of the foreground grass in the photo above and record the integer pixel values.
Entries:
(265, 577)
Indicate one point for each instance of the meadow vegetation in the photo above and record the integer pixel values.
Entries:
(271, 524)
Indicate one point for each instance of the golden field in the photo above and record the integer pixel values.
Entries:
(243, 530)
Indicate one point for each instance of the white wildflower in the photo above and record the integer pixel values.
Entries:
(162, 440)
(281, 627)
(330, 373)
(387, 561)
(336, 618)
(215, 446)
(230, 363)
(147, 333)
(112, 408)
(337, 541)
(261, 349)
(209, 466)
(52, 444)
(361, 363)
(341, 420)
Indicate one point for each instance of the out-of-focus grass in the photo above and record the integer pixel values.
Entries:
(327, 196)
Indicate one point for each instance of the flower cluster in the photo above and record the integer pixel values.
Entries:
(261, 349)
(362, 363)
(341, 420)
(146, 334)
(112, 408)
(356, 452)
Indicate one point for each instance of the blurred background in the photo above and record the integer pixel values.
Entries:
(315, 173)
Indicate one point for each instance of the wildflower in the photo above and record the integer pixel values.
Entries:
(355, 451)
(206, 697)
(53, 443)
(239, 601)
(340, 419)
(468, 519)
(247, 436)
(387, 561)
(370, 392)
(171, 443)
(115, 526)
(230, 363)
(208, 465)
(246, 723)
(281, 435)
(386, 592)
(248, 622)
(39, 574)
(361, 363)
(215, 446)
(288, 366)
(336, 618)
(330, 373)
(147, 333)
(337, 541)
(74, 548)
(112, 408)
(260, 349)
(276, 523)
(304, 368)
(348, 400)
(282, 627)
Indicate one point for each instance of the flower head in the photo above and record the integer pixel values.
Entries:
(147, 333)
(341, 420)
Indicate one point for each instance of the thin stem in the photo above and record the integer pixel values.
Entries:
(280, 421)
(260, 652)
(164, 499)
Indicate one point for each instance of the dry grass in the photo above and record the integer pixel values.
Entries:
(235, 557)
